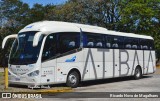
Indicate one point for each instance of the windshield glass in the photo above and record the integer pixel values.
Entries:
(23, 52)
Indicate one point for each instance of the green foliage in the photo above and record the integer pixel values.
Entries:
(141, 17)
(12, 15)
(135, 16)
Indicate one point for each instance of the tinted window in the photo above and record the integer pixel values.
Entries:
(59, 43)
(93, 40)
(114, 42)
(23, 52)
(131, 43)
(146, 44)
(68, 42)
(151, 44)
(49, 47)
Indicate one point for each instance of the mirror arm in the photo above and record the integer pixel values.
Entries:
(8, 37)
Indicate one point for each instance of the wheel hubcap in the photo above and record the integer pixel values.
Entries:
(137, 73)
(72, 79)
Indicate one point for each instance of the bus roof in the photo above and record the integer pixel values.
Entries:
(58, 26)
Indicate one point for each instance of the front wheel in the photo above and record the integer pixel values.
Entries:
(73, 79)
(138, 73)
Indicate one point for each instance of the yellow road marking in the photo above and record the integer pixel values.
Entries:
(158, 66)
(67, 89)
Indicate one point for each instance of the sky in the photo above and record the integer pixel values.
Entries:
(44, 2)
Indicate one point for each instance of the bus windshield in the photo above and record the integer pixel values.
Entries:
(23, 52)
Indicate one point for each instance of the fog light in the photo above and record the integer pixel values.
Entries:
(35, 73)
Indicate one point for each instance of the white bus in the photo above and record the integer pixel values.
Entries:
(51, 52)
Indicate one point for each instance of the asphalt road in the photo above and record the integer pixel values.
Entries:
(149, 83)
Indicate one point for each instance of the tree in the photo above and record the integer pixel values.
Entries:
(141, 17)
(135, 16)
(13, 14)
(39, 13)
(68, 12)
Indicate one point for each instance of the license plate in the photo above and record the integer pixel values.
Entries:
(17, 79)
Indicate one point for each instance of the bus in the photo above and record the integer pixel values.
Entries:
(51, 52)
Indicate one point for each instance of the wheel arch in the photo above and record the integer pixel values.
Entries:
(76, 70)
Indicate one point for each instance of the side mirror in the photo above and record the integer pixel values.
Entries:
(37, 37)
(8, 37)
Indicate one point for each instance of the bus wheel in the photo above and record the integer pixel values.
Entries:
(138, 73)
(73, 79)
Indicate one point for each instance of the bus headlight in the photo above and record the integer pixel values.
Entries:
(35, 73)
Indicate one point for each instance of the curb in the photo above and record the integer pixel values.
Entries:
(158, 66)
(58, 90)
(49, 90)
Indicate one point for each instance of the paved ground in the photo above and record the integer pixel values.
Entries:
(1, 69)
(149, 83)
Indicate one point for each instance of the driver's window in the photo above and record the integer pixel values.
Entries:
(14, 47)
(49, 49)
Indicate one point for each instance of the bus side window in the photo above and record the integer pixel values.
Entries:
(72, 44)
(131, 43)
(99, 44)
(68, 41)
(109, 41)
(118, 42)
(93, 40)
(99, 41)
(134, 47)
(115, 45)
(135, 43)
(108, 45)
(90, 44)
(148, 44)
(128, 46)
(128, 43)
(114, 42)
(121, 42)
(145, 47)
(151, 44)
(144, 44)
(49, 49)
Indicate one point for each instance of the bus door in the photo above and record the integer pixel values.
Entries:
(49, 61)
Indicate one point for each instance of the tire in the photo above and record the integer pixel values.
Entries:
(73, 79)
(137, 73)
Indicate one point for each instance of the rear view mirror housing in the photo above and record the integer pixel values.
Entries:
(8, 37)
(37, 37)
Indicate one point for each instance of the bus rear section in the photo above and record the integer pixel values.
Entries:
(109, 56)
